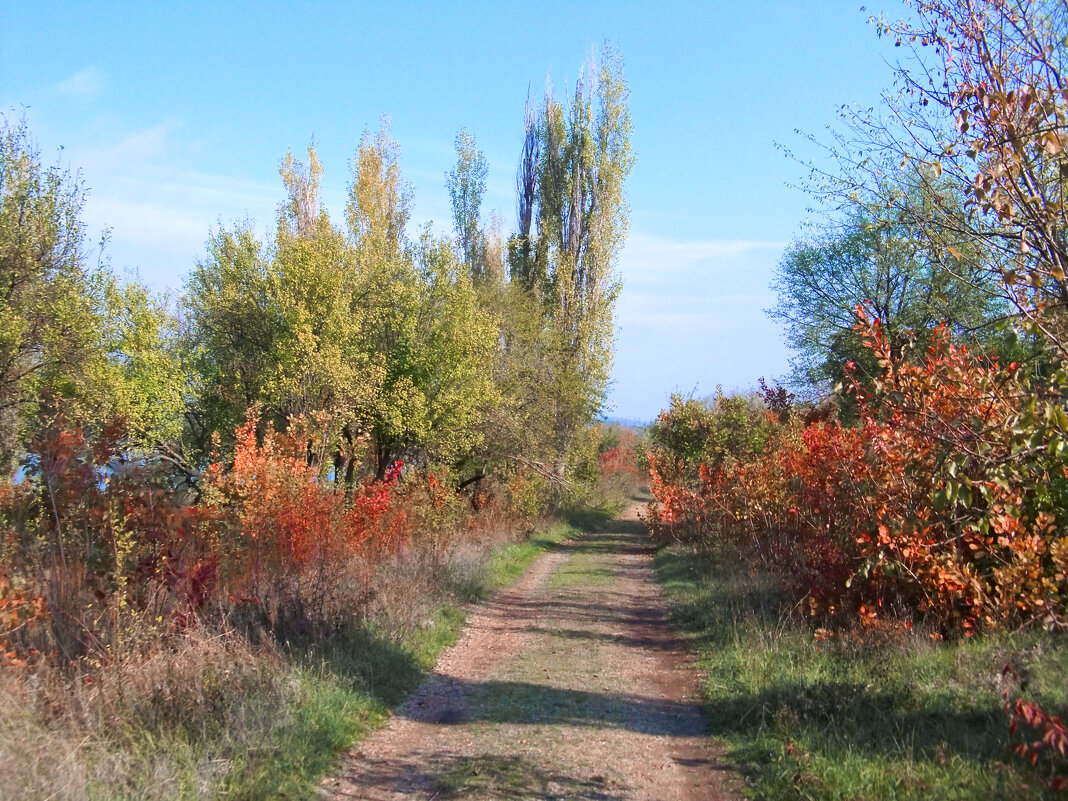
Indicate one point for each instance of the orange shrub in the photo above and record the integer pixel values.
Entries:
(278, 515)
(946, 499)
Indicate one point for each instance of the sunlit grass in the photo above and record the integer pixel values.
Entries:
(904, 717)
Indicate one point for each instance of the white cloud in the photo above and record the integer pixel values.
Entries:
(143, 185)
(690, 272)
(128, 152)
(146, 221)
(698, 249)
(85, 85)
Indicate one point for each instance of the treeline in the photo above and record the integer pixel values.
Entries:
(308, 394)
(922, 474)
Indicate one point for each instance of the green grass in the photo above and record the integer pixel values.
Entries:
(347, 687)
(905, 718)
(588, 566)
(511, 561)
(326, 716)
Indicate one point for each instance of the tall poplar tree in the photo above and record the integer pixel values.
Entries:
(573, 218)
(466, 183)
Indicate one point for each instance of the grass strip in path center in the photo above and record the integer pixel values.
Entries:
(568, 685)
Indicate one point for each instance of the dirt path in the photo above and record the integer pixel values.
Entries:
(568, 686)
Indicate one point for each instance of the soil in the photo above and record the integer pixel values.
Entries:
(570, 685)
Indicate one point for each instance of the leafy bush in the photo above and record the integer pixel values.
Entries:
(715, 431)
(944, 501)
(276, 516)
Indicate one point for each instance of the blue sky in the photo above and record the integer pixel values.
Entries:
(177, 116)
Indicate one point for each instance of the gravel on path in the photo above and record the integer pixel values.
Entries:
(569, 685)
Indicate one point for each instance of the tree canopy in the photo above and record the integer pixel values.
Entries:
(72, 337)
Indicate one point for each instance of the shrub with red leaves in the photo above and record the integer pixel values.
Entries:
(945, 500)
(278, 516)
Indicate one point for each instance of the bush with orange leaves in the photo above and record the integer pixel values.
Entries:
(278, 516)
(618, 452)
(94, 544)
(946, 500)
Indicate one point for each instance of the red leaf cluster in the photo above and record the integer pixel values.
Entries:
(278, 515)
(942, 500)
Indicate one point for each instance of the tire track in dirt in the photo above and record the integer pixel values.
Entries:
(570, 685)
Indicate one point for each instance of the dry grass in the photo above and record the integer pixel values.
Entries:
(251, 703)
(257, 698)
(134, 728)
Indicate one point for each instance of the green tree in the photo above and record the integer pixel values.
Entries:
(870, 258)
(425, 329)
(232, 330)
(716, 431)
(466, 183)
(374, 336)
(280, 326)
(573, 219)
(520, 428)
(71, 338)
(985, 143)
(139, 335)
(323, 361)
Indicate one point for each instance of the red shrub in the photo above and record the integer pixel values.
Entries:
(945, 499)
(279, 516)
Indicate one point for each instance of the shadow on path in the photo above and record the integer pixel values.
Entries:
(487, 776)
(570, 685)
(518, 702)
